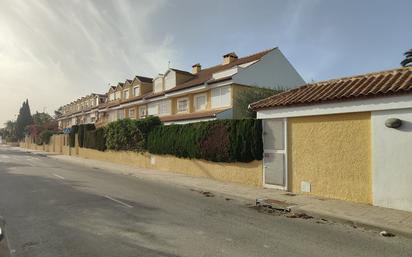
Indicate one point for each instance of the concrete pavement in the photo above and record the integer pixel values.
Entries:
(60, 208)
(398, 222)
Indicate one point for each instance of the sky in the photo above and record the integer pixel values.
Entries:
(53, 52)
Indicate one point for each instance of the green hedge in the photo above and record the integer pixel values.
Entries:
(220, 140)
(130, 135)
(83, 128)
(72, 135)
(95, 139)
(46, 135)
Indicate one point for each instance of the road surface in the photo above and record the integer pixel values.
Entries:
(56, 208)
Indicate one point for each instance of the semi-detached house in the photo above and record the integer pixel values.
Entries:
(178, 96)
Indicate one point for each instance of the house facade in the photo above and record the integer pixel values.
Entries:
(348, 138)
(178, 96)
(81, 111)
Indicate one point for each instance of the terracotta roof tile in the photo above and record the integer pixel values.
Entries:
(389, 82)
(206, 74)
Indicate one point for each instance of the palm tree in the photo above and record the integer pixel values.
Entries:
(408, 59)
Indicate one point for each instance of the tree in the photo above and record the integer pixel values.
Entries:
(23, 120)
(41, 118)
(408, 59)
(9, 131)
(42, 128)
(251, 95)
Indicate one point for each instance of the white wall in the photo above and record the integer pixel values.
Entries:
(272, 71)
(392, 160)
(158, 85)
(170, 80)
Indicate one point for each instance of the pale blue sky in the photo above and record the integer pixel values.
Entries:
(55, 51)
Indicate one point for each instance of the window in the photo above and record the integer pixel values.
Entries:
(120, 114)
(153, 109)
(136, 91)
(164, 107)
(112, 116)
(199, 102)
(142, 111)
(118, 95)
(131, 113)
(125, 94)
(111, 97)
(182, 105)
(221, 97)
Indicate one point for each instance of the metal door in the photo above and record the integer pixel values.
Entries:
(274, 153)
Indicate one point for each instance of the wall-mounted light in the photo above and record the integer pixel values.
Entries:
(393, 123)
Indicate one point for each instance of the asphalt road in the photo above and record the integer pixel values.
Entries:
(55, 208)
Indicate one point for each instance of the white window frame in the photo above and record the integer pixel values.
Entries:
(120, 114)
(220, 104)
(163, 103)
(140, 111)
(138, 91)
(187, 104)
(149, 107)
(195, 101)
(134, 113)
(118, 95)
(126, 94)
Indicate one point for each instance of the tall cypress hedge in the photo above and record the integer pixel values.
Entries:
(130, 135)
(72, 135)
(220, 140)
(95, 139)
(83, 128)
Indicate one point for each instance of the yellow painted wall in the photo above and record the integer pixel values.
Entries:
(333, 153)
(242, 173)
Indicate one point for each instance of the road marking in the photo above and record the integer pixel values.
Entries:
(117, 201)
(60, 177)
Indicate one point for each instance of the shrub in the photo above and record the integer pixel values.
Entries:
(43, 137)
(83, 128)
(127, 134)
(95, 139)
(72, 135)
(46, 135)
(220, 140)
(100, 140)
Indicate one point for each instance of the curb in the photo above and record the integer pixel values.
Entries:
(351, 222)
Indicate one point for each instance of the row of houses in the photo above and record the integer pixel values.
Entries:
(348, 138)
(179, 96)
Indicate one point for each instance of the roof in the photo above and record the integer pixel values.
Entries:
(192, 116)
(389, 82)
(144, 79)
(182, 71)
(206, 74)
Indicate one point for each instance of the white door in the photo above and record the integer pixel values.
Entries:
(274, 153)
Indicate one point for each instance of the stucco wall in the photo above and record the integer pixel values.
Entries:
(332, 153)
(243, 173)
(272, 71)
(392, 160)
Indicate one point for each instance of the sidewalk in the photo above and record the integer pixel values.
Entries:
(395, 221)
